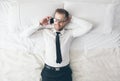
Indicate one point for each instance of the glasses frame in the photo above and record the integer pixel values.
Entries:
(58, 20)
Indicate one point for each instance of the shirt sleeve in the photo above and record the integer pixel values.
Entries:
(32, 29)
(28, 32)
(79, 26)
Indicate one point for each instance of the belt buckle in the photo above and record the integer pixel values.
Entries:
(57, 69)
(48, 67)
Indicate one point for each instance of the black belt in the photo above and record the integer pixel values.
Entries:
(56, 68)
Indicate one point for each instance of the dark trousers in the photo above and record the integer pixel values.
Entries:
(64, 74)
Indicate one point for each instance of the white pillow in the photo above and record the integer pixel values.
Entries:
(4, 11)
(8, 15)
(100, 14)
(32, 12)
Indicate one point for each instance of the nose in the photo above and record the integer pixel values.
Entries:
(56, 22)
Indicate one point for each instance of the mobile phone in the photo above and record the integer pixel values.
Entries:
(51, 21)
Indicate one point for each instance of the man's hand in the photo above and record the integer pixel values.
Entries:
(45, 20)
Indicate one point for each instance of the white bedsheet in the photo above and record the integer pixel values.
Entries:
(95, 65)
(94, 57)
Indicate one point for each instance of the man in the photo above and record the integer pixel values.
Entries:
(58, 38)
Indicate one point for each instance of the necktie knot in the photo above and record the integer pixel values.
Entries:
(57, 33)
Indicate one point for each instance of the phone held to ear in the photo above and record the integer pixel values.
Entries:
(51, 21)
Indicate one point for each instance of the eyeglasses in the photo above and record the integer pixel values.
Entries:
(58, 20)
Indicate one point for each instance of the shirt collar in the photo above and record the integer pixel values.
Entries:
(61, 32)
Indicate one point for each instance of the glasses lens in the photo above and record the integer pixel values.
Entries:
(58, 20)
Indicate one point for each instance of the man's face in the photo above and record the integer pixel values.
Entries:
(59, 21)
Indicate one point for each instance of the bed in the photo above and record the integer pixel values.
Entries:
(94, 56)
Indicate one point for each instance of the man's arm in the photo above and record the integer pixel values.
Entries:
(42, 25)
(79, 26)
(31, 30)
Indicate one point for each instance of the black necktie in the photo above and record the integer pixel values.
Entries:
(58, 50)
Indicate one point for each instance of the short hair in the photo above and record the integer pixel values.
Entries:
(62, 11)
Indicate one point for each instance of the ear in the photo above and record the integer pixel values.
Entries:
(67, 21)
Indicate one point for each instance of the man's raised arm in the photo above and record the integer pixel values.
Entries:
(42, 25)
(79, 26)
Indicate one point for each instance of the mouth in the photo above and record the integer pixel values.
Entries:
(57, 27)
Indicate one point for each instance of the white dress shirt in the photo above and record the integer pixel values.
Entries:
(77, 27)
